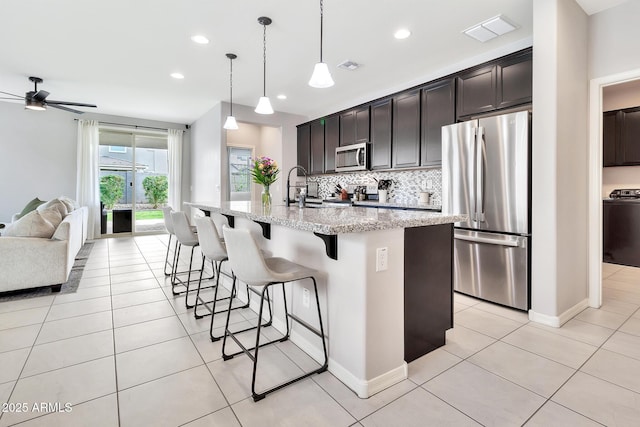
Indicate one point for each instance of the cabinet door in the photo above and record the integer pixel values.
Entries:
(629, 146)
(438, 109)
(331, 141)
(515, 80)
(304, 145)
(477, 91)
(381, 135)
(317, 147)
(406, 130)
(609, 137)
(348, 128)
(362, 124)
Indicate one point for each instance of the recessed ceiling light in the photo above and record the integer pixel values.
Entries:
(282, 96)
(402, 33)
(177, 75)
(200, 39)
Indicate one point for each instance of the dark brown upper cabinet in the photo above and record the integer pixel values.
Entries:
(621, 137)
(610, 137)
(504, 83)
(515, 77)
(354, 126)
(304, 148)
(406, 130)
(317, 147)
(381, 134)
(477, 91)
(331, 141)
(438, 109)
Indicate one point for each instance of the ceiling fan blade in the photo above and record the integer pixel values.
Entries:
(12, 94)
(41, 95)
(75, 104)
(60, 107)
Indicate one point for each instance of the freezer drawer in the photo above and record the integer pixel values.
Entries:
(492, 266)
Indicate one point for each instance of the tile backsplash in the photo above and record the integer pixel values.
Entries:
(404, 189)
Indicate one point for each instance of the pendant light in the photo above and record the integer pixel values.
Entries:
(321, 77)
(231, 124)
(264, 105)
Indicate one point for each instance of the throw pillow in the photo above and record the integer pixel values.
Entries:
(52, 215)
(32, 205)
(57, 204)
(32, 224)
(72, 205)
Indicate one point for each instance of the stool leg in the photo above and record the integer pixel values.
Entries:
(324, 342)
(195, 310)
(226, 325)
(257, 396)
(186, 295)
(166, 259)
(286, 314)
(176, 259)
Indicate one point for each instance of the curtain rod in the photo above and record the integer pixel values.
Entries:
(134, 126)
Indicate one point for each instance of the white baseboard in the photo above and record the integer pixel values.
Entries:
(367, 388)
(557, 321)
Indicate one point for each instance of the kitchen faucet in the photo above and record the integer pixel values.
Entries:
(287, 201)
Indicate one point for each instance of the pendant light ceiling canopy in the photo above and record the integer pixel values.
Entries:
(230, 123)
(321, 77)
(264, 105)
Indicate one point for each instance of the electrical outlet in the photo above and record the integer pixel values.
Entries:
(382, 261)
(429, 184)
(305, 297)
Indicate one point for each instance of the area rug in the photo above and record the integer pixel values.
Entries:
(69, 287)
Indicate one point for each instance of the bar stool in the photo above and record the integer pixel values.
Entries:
(168, 224)
(186, 237)
(249, 266)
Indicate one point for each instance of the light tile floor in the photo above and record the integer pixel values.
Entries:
(123, 350)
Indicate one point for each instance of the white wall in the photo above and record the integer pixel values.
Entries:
(614, 40)
(38, 154)
(559, 157)
(209, 141)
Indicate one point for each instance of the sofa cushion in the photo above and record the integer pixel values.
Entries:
(33, 224)
(62, 208)
(71, 204)
(32, 205)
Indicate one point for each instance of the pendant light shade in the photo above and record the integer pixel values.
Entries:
(321, 77)
(264, 105)
(230, 123)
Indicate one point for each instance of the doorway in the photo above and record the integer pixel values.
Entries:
(595, 178)
(239, 161)
(133, 175)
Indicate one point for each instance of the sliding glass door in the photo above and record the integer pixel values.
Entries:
(133, 181)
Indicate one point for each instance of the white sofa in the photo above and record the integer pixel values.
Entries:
(29, 262)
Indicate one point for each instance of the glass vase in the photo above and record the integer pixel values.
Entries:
(266, 198)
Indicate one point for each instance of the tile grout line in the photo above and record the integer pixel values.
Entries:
(113, 336)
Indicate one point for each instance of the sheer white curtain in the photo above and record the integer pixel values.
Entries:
(175, 168)
(87, 178)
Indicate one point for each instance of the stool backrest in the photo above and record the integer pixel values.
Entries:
(245, 259)
(183, 230)
(210, 243)
(168, 223)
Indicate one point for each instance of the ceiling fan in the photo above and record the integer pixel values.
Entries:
(37, 99)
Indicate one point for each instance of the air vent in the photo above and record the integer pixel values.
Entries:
(349, 65)
(490, 29)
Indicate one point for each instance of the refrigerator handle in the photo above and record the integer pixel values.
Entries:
(515, 243)
(480, 162)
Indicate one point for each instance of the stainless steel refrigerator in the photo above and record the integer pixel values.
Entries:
(486, 175)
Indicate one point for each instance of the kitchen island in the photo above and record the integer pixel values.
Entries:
(384, 280)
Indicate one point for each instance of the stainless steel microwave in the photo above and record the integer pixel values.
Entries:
(353, 157)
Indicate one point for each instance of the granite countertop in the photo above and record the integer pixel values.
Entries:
(331, 220)
(398, 205)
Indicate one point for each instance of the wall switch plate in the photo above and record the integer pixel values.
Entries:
(382, 260)
(305, 297)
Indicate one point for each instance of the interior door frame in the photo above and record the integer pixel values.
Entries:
(595, 179)
(228, 177)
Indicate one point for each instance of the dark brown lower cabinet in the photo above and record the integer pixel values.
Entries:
(428, 288)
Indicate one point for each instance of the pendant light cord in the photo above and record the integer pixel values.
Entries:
(264, 61)
(321, 25)
(231, 84)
